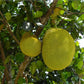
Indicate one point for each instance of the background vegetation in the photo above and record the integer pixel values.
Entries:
(19, 16)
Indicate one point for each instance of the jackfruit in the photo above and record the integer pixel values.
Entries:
(30, 45)
(58, 48)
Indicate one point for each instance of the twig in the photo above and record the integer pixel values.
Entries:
(22, 68)
(1, 27)
(73, 13)
(8, 27)
(24, 75)
(45, 18)
(3, 80)
(1, 20)
(3, 59)
(32, 76)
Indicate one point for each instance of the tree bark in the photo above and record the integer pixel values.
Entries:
(6, 73)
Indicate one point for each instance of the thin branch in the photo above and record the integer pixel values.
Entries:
(25, 76)
(22, 68)
(1, 20)
(73, 13)
(32, 76)
(9, 28)
(3, 59)
(3, 80)
(46, 17)
(1, 27)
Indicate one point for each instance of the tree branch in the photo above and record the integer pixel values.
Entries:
(1, 27)
(2, 82)
(1, 20)
(45, 18)
(3, 60)
(22, 68)
(8, 28)
(73, 13)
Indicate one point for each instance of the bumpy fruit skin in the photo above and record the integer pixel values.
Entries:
(30, 45)
(58, 48)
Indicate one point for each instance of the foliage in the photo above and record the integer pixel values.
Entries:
(22, 16)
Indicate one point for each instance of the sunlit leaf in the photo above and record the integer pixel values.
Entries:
(53, 82)
(62, 12)
(37, 14)
(82, 50)
(80, 64)
(77, 43)
(82, 17)
(76, 4)
(33, 67)
(66, 2)
(39, 64)
(82, 7)
(8, 15)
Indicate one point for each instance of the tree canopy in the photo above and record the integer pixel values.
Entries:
(36, 16)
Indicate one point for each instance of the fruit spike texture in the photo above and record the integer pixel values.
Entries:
(30, 45)
(58, 48)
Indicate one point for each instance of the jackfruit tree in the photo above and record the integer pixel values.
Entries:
(39, 42)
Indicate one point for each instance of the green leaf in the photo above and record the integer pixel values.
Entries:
(62, 12)
(60, 3)
(66, 2)
(37, 14)
(65, 75)
(76, 4)
(39, 64)
(19, 57)
(30, 83)
(53, 82)
(13, 72)
(21, 80)
(7, 59)
(76, 55)
(80, 64)
(82, 7)
(82, 50)
(82, 17)
(26, 18)
(33, 67)
(48, 69)
(8, 15)
(2, 68)
(1, 1)
(77, 43)
(7, 45)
